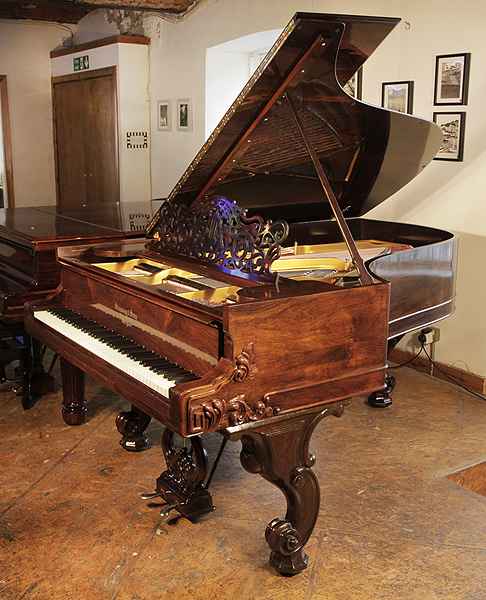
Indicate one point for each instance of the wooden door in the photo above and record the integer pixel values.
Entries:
(86, 140)
(7, 191)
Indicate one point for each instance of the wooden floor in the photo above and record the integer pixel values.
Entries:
(391, 526)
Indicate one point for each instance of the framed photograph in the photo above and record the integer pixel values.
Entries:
(354, 85)
(452, 125)
(397, 95)
(451, 79)
(184, 115)
(164, 115)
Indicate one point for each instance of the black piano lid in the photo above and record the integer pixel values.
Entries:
(256, 156)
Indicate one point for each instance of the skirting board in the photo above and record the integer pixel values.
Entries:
(423, 364)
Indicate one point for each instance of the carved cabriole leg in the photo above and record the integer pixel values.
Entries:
(132, 425)
(279, 452)
(74, 403)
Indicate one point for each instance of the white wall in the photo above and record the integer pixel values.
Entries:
(25, 60)
(229, 66)
(446, 195)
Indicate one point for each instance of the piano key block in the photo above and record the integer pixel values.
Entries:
(123, 354)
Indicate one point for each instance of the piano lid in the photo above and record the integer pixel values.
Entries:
(45, 224)
(256, 156)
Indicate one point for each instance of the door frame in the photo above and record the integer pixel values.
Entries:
(88, 74)
(7, 142)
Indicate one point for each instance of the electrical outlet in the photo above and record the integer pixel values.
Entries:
(431, 335)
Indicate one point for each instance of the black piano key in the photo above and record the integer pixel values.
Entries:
(97, 329)
(138, 351)
(167, 369)
(184, 377)
(122, 344)
(156, 361)
(158, 364)
(108, 336)
(137, 354)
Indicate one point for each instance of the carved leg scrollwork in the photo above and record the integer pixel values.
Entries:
(279, 452)
(132, 425)
(182, 484)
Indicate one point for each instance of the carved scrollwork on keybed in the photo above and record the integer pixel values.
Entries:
(220, 413)
(222, 406)
(216, 231)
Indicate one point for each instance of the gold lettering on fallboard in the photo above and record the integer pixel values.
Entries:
(128, 312)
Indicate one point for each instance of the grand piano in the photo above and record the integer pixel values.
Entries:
(29, 238)
(261, 300)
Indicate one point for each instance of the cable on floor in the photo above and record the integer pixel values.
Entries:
(432, 362)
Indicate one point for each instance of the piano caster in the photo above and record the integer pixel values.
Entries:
(132, 425)
(382, 398)
(11, 349)
(26, 399)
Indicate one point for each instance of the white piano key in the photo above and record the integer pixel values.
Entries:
(157, 382)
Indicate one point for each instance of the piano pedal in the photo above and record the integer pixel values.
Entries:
(168, 515)
(167, 511)
(150, 495)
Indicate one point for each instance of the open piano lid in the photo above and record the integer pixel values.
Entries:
(257, 157)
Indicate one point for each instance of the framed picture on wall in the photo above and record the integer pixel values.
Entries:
(354, 85)
(452, 125)
(184, 115)
(451, 79)
(164, 115)
(397, 95)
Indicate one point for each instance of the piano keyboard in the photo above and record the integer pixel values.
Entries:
(143, 365)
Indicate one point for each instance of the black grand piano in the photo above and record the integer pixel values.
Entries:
(29, 238)
(261, 301)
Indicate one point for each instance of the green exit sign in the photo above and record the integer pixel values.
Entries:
(81, 62)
